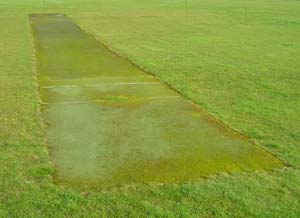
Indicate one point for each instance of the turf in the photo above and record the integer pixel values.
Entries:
(237, 59)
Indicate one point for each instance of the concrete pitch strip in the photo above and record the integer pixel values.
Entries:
(109, 123)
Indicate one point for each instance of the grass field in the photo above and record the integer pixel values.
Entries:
(238, 59)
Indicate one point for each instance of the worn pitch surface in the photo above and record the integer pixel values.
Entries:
(109, 123)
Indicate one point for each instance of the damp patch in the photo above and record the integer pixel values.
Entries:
(108, 123)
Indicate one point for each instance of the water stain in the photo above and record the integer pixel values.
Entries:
(109, 123)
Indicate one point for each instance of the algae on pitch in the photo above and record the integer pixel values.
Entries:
(101, 134)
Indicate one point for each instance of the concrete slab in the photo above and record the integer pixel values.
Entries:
(109, 123)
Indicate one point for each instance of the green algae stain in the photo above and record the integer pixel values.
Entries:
(109, 123)
(117, 98)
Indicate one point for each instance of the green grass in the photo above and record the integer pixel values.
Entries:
(239, 60)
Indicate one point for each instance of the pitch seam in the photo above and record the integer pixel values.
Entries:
(102, 84)
(103, 100)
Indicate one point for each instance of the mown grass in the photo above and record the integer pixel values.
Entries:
(238, 59)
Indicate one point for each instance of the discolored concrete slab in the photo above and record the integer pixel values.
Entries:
(109, 123)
